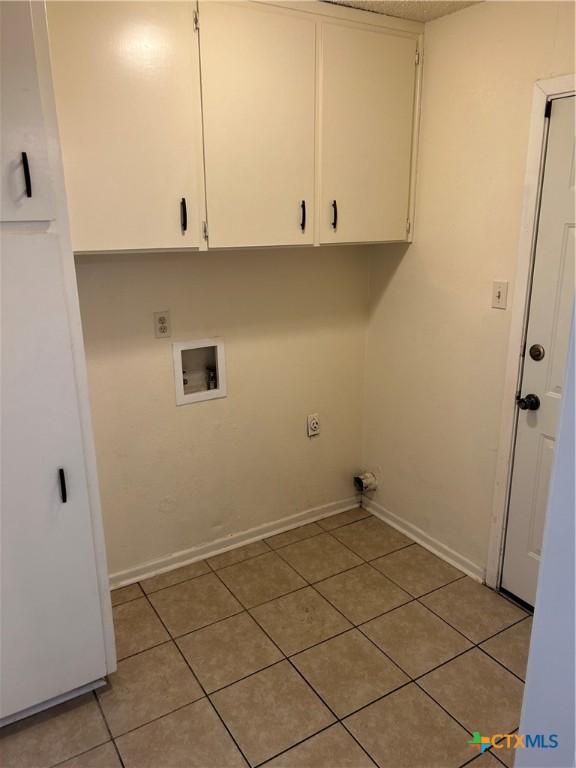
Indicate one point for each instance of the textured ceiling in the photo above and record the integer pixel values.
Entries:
(415, 10)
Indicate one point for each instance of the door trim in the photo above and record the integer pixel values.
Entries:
(555, 87)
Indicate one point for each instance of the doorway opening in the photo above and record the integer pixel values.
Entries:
(543, 309)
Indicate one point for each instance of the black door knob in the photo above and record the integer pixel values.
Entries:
(529, 403)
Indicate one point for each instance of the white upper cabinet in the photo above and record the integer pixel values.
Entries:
(271, 123)
(258, 92)
(25, 191)
(367, 107)
(127, 83)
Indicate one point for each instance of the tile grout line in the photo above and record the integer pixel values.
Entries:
(353, 626)
(308, 685)
(212, 569)
(480, 642)
(501, 664)
(293, 666)
(99, 705)
(206, 696)
(469, 732)
(303, 741)
(96, 746)
(500, 631)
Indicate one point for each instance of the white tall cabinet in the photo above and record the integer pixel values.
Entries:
(55, 615)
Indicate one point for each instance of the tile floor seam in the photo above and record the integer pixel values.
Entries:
(286, 658)
(292, 746)
(369, 561)
(354, 625)
(443, 663)
(338, 719)
(474, 644)
(324, 578)
(500, 631)
(470, 640)
(274, 643)
(85, 752)
(246, 677)
(206, 696)
(337, 528)
(309, 685)
(205, 626)
(272, 599)
(155, 719)
(468, 731)
(125, 602)
(359, 628)
(373, 618)
(424, 594)
(176, 583)
(143, 650)
(245, 560)
(101, 710)
(95, 746)
(275, 551)
(249, 608)
(501, 664)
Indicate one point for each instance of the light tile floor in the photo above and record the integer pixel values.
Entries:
(339, 644)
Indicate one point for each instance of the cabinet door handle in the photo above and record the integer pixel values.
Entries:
(63, 491)
(334, 214)
(27, 177)
(303, 215)
(183, 215)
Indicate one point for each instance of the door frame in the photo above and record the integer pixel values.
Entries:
(544, 90)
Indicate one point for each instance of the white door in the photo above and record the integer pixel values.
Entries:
(127, 85)
(551, 307)
(367, 118)
(25, 188)
(51, 620)
(258, 81)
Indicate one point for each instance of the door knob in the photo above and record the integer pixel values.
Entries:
(528, 403)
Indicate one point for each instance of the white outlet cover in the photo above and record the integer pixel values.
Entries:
(313, 425)
(162, 326)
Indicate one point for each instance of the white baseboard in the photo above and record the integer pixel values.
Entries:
(475, 571)
(187, 556)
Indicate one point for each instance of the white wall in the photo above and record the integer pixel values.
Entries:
(293, 321)
(435, 348)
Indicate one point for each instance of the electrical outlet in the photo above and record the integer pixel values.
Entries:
(162, 328)
(499, 294)
(313, 425)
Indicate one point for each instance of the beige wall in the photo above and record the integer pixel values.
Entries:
(435, 349)
(293, 322)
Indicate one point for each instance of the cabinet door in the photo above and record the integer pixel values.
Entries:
(52, 633)
(126, 78)
(25, 189)
(258, 69)
(367, 106)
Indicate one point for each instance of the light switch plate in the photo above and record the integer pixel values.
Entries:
(499, 294)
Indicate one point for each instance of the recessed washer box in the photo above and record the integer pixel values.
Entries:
(199, 370)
